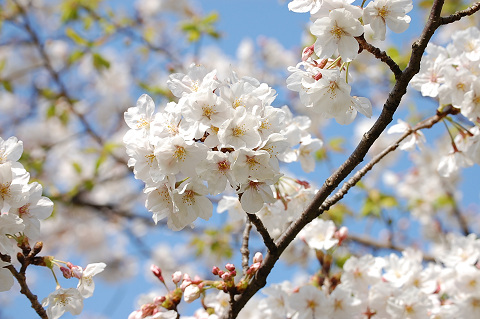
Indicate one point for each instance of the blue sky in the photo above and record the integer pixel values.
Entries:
(238, 20)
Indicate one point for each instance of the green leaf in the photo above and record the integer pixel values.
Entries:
(77, 167)
(75, 56)
(7, 85)
(99, 62)
(337, 213)
(51, 111)
(77, 38)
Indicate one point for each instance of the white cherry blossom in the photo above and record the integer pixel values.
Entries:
(337, 32)
(62, 300)
(391, 13)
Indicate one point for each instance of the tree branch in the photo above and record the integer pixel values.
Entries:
(428, 123)
(312, 211)
(22, 280)
(377, 245)
(56, 78)
(244, 250)
(263, 232)
(381, 55)
(460, 14)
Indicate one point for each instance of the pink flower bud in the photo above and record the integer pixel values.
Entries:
(77, 272)
(159, 300)
(157, 272)
(215, 270)
(258, 258)
(233, 273)
(226, 276)
(67, 273)
(230, 267)
(176, 277)
(307, 52)
(220, 273)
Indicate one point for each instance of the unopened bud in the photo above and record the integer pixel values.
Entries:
(67, 273)
(230, 267)
(226, 276)
(77, 272)
(157, 272)
(159, 300)
(307, 52)
(176, 277)
(191, 293)
(258, 258)
(37, 248)
(215, 270)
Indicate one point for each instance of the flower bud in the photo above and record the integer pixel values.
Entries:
(157, 272)
(77, 272)
(176, 277)
(230, 267)
(191, 293)
(258, 258)
(307, 52)
(215, 270)
(67, 273)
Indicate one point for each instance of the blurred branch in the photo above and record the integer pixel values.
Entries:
(375, 244)
(314, 208)
(460, 14)
(458, 215)
(244, 250)
(56, 78)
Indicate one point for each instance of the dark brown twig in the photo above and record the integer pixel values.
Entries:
(263, 232)
(381, 55)
(460, 14)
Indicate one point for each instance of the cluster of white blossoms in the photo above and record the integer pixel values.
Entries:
(22, 205)
(395, 286)
(219, 136)
(323, 84)
(389, 287)
(451, 75)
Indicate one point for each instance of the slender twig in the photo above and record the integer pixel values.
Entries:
(460, 14)
(263, 232)
(375, 244)
(381, 55)
(313, 209)
(22, 280)
(244, 250)
(428, 123)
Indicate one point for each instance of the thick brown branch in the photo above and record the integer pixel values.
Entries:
(460, 14)
(381, 55)
(312, 211)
